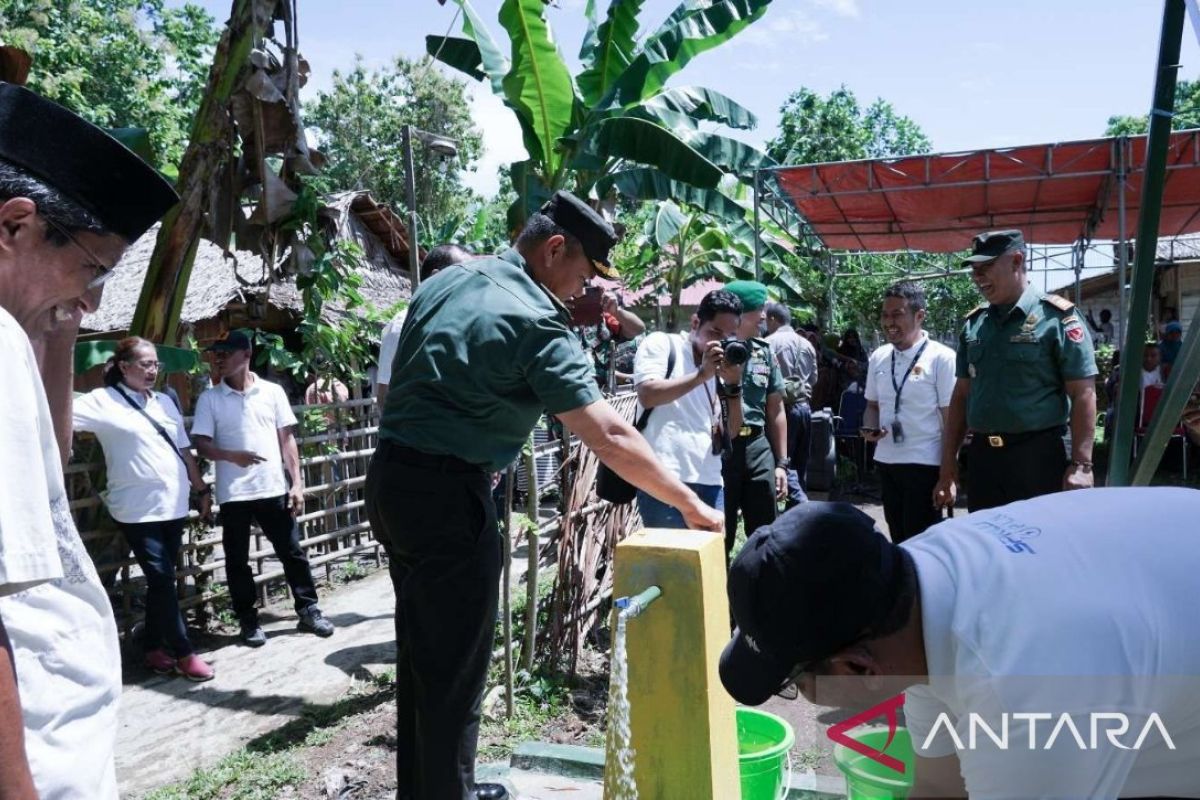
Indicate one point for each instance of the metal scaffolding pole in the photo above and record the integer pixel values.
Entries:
(1169, 45)
(758, 275)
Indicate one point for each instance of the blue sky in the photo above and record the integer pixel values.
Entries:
(972, 74)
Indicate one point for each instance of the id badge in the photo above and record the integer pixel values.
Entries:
(897, 431)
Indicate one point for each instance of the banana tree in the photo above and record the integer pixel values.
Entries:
(679, 246)
(614, 129)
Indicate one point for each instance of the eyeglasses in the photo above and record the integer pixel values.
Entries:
(148, 364)
(101, 272)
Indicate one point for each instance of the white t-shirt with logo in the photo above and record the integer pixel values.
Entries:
(1067, 603)
(680, 433)
(147, 480)
(926, 392)
(389, 343)
(248, 420)
(57, 615)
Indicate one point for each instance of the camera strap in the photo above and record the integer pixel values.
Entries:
(645, 417)
(159, 428)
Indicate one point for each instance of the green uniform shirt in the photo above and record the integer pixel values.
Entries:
(760, 377)
(484, 351)
(1018, 360)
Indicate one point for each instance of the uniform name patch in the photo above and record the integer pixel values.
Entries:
(1075, 334)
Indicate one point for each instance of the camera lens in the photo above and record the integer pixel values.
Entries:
(736, 352)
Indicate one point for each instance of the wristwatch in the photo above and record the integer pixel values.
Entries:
(783, 463)
(1086, 466)
(729, 390)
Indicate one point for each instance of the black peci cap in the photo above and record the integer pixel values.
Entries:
(585, 224)
(805, 587)
(993, 244)
(81, 161)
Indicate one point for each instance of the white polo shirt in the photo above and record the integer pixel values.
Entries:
(248, 420)
(57, 615)
(147, 481)
(680, 433)
(389, 343)
(1068, 603)
(923, 395)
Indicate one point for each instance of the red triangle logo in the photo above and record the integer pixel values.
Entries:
(887, 709)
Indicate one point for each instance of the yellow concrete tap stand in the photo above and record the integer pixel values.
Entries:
(682, 719)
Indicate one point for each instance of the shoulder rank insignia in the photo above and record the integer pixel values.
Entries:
(974, 312)
(1059, 302)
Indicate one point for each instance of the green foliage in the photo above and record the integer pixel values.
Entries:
(359, 122)
(858, 300)
(118, 63)
(613, 128)
(814, 129)
(1187, 113)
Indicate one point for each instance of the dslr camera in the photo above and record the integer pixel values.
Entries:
(737, 352)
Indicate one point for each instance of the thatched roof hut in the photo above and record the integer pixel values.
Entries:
(238, 290)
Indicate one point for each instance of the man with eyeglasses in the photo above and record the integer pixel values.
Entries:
(72, 199)
(1025, 369)
(1013, 617)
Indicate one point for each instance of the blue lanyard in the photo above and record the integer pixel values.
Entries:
(899, 387)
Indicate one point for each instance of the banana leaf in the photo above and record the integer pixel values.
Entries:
(667, 222)
(613, 51)
(98, 351)
(491, 58)
(538, 84)
(649, 184)
(679, 41)
(462, 54)
(646, 142)
(692, 104)
(531, 191)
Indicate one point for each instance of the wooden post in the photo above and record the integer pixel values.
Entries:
(506, 592)
(532, 542)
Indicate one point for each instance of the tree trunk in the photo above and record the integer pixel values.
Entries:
(170, 269)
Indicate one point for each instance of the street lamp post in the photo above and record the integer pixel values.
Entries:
(444, 147)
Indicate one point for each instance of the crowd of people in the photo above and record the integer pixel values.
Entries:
(720, 442)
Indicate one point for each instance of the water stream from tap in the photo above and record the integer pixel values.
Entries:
(623, 787)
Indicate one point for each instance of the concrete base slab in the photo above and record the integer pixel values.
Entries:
(170, 727)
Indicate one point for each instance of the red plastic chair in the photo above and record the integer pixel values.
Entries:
(1146, 407)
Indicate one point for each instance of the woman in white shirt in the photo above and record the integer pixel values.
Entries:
(149, 471)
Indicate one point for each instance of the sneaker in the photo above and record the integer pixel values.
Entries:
(490, 791)
(252, 635)
(194, 668)
(313, 621)
(160, 661)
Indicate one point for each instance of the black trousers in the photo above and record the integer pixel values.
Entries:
(749, 475)
(444, 554)
(908, 498)
(283, 532)
(799, 433)
(1030, 467)
(156, 547)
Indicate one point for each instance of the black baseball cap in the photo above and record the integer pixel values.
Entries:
(993, 244)
(232, 340)
(803, 588)
(83, 162)
(585, 224)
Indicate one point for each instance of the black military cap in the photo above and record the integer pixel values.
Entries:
(993, 244)
(581, 221)
(81, 161)
(803, 588)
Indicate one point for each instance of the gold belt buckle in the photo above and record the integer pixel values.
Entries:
(745, 431)
(996, 441)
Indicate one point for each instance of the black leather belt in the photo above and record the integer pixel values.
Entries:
(1010, 439)
(749, 431)
(399, 454)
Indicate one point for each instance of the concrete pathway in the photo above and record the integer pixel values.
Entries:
(170, 726)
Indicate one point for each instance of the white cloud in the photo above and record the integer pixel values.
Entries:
(501, 139)
(843, 8)
(791, 29)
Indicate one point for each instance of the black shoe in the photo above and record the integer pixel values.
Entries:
(252, 635)
(313, 621)
(490, 791)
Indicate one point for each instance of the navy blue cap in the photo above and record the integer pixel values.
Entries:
(233, 340)
(993, 244)
(805, 587)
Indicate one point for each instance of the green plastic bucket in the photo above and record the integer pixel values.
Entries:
(763, 744)
(867, 779)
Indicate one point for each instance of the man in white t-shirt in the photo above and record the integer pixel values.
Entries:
(435, 261)
(245, 425)
(71, 201)
(1063, 624)
(1151, 365)
(680, 393)
(909, 384)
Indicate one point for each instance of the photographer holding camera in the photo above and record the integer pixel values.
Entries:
(755, 470)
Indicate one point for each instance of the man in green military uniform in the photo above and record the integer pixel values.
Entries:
(1025, 368)
(486, 349)
(755, 471)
